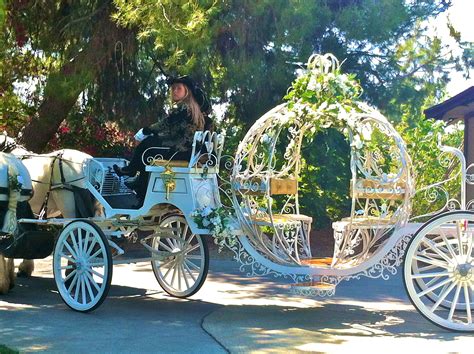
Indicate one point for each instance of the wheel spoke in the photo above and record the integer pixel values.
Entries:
(91, 280)
(170, 243)
(170, 268)
(165, 263)
(194, 256)
(436, 262)
(428, 267)
(89, 289)
(468, 303)
(196, 246)
(91, 246)
(189, 263)
(101, 276)
(469, 248)
(70, 275)
(95, 254)
(83, 288)
(78, 287)
(86, 243)
(458, 236)
(178, 266)
(72, 260)
(189, 271)
(448, 245)
(454, 303)
(70, 250)
(173, 277)
(190, 239)
(66, 267)
(169, 249)
(434, 287)
(432, 245)
(184, 276)
(185, 232)
(74, 242)
(79, 241)
(444, 292)
(430, 275)
(73, 282)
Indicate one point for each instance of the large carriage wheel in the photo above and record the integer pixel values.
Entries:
(82, 265)
(439, 270)
(184, 274)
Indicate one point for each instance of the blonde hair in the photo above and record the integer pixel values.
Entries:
(193, 109)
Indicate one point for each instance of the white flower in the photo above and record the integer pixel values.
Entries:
(216, 220)
(205, 222)
(206, 211)
(356, 142)
(265, 139)
(366, 132)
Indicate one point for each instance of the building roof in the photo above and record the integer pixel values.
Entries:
(457, 107)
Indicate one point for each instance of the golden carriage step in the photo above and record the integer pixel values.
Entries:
(313, 288)
(324, 262)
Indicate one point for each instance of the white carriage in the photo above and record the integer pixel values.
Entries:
(266, 228)
(86, 249)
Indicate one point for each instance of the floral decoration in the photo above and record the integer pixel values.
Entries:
(218, 221)
(15, 182)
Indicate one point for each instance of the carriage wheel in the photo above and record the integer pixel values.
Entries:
(82, 265)
(184, 274)
(439, 270)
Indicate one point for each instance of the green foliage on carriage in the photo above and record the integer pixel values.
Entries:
(430, 165)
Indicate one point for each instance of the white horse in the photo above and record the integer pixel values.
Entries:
(52, 175)
(12, 170)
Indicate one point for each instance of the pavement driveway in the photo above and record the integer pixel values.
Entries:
(231, 313)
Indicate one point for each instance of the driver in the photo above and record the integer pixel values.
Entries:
(175, 131)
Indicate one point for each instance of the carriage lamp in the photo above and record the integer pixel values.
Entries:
(168, 180)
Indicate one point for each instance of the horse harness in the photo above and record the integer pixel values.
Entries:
(64, 185)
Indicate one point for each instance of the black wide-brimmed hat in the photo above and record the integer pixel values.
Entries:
(196, 90)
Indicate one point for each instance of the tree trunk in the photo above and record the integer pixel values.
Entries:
(64, 87)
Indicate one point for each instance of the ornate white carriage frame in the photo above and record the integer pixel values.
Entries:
(273, 236)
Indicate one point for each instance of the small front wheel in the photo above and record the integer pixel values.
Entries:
(82, 265)
(439, 270)
(183, 274)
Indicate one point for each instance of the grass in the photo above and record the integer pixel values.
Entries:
(6, 350)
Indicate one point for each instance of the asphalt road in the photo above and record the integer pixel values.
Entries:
(231, 313)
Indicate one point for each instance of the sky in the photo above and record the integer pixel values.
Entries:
(461, 15)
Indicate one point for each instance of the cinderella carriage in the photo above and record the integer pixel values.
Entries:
(256, 213)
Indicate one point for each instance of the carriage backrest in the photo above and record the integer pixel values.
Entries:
(381, 184)
(375, 189)
(206, 152)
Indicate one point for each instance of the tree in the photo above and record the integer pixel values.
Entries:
(106, 59)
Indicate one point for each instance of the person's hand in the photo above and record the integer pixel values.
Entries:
(147, 131)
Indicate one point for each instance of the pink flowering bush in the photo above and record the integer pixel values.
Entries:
(101, 139)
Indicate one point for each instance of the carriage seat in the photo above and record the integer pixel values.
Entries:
(369, 189)
(172, 163)
(279, 186)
